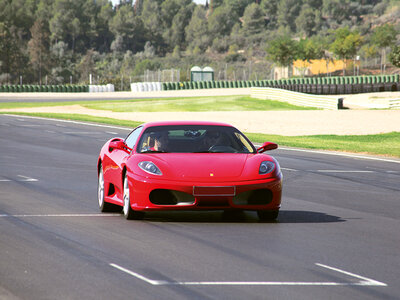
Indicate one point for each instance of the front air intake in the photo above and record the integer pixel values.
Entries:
(170, 197)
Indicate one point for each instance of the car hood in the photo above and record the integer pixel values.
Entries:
(209, 167)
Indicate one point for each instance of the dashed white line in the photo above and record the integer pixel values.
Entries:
(341, 171)
(364, 281)
(288, 169)
(330, 171)
(80, 132)
(25, 178)
(69, 121)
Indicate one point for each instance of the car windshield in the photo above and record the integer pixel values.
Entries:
(194, 139)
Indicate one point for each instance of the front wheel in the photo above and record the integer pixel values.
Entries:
(129, 213)
(268, 215)
(103, 205)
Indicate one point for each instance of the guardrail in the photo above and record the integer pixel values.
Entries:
(394, 103)
(296, 98)
(336, 85)
(28, 88)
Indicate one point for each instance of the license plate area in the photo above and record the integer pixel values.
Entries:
(214, 191)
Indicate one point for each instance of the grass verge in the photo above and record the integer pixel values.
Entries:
(387, 144)
(196, 104)
(220, 103)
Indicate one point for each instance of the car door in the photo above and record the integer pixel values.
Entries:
(116, 161)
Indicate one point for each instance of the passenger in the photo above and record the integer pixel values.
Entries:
(211, 138)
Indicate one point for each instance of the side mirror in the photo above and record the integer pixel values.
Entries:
(118, 144)
(267, 146)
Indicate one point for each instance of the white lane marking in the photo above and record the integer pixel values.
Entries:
(288, 169)
(364, 280)
(331, 171)
(138, 276)
(71, 122)
(283, 148)
(81, 132)
(59, 215)
(340, 171)
(25, 178)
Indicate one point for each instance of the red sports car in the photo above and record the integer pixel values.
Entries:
(188, 166)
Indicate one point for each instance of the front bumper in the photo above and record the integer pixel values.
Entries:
(156, 195)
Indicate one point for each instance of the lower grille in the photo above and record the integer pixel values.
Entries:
(254, 197)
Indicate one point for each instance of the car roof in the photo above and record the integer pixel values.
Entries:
(171, 123)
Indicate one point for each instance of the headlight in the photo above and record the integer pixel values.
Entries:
(266, 167)
(149, 167)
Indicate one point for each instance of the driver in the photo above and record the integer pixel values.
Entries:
(160, 141)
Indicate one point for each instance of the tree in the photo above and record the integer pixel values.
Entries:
(64, 63)
(87, 66)
(253, 19)
(221, 21)
(306, 21)
(38, 47)
(282, 51)
(197, 34)
(130, 27)
(307, 50)
(176, 36)
(10, 54)
(384, 36)
(152, 22)
(394, 56)
(346, 45)
(287, 12)
(270, 8)
(336, 10)
(215, 4)
(239, 6)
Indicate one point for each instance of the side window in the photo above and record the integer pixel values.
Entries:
(131, 139)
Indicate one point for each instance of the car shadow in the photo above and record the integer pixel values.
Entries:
(285, 217)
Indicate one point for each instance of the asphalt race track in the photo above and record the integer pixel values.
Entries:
(337, 237)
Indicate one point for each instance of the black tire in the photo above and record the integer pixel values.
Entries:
(103, 205)
(268, 215)
(127, 210)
